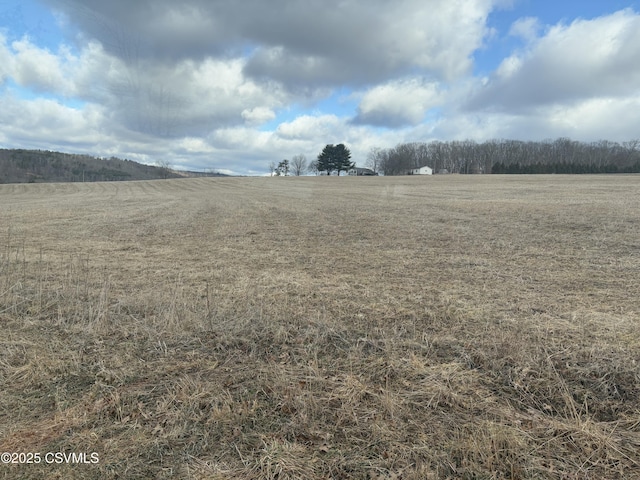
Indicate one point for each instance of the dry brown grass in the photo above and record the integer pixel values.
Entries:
(478, 327)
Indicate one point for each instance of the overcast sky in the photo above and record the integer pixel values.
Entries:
(233, 85)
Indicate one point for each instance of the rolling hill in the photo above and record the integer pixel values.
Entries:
(42, 166)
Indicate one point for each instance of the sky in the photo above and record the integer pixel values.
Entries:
(233, 85)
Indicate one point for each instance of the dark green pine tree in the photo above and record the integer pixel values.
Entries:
(326, 160)
(343, 158)
(334, 157)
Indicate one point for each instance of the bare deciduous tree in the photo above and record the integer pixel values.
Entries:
(376, 159)
(165, 166)
(298, 165)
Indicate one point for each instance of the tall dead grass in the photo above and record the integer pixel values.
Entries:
(452, 327)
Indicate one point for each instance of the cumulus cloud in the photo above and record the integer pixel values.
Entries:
(39, 120)
(163, 100)
(570, 63)
(213, 69)
(189, 97)
(296, 42)
(36, 68)
(308, 127)
(526, 28)
(592, 119)
(81, 75)
(257, 115)
(200, 81)
(608, 118)
(398, 103)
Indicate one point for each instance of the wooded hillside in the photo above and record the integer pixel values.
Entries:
(30, 166)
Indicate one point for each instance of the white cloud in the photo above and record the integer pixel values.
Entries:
(304, 43)
(526, 28)
(257, 115)
(307, 127)
(398, 103)
(193, 71)
(62, 73)
(509, 66)
(347, 42)
(586, 59)
(610, 118)
(40, 121)
(187, 98)
(35, 68)
(592, 119)
(194, 145)
(199, 81)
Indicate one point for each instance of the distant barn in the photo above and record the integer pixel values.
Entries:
(361, 172)
(421, 171)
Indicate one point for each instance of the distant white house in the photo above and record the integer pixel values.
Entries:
(422, 171)
(359, 172)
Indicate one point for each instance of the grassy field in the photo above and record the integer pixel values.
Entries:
(477, 327)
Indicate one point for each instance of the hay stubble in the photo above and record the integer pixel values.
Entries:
(445, 327)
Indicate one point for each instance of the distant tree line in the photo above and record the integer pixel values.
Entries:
(509, 156)
(332, 159)
(296, 167)
(538, 168)
(30, 166)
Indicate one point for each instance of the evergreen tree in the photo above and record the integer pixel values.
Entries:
(343, 158)
(283, 168)
(326, 160)
(334, 157)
